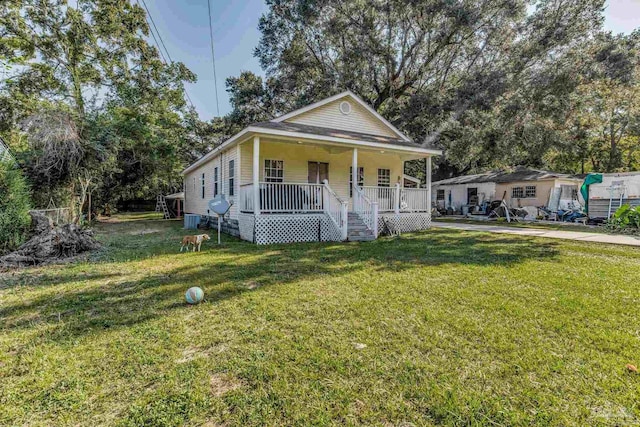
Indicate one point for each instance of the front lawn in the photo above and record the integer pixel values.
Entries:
(440, 327)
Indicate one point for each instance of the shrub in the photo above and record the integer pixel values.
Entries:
(625, 219)
(14, 207)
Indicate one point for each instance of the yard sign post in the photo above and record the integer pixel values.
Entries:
(220, 205)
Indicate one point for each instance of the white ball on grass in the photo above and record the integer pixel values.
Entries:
(194, 295)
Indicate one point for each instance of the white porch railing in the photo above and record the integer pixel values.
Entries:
(414, 200)
(277, 197)
(384, 196)
(293, 198)
(246, 198)
(366, 209)
(281, 197)
(335, 208)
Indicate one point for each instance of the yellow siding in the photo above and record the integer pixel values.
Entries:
(329, 116)
(194, 202)
(543, 190)
(246, 150)
(297, 156)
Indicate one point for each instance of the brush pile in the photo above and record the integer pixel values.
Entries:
(50, 244)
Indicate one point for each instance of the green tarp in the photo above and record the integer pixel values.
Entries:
(592, 178)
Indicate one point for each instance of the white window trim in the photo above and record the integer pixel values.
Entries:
(264, 170)
(535, 191)
(513, 196)
(389, 176)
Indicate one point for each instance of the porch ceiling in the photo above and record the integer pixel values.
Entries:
(336, 148)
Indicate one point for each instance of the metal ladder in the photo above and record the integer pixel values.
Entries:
(161, 206)
(615, 186)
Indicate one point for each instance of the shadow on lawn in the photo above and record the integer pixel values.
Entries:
(239, 267)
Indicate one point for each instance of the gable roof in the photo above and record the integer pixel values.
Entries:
(278, 127)
(504, 176)
(353, 97)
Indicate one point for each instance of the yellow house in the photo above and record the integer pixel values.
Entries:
(292, 178)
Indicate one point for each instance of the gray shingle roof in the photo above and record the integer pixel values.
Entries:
(337, 133)
(518, 174)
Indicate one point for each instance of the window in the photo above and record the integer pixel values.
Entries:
(215, 181)
(232, 179)
(203, 185)
(472, 196)
(530, 191)
(517, 192)
(569, 192)
(440, 194)
(360, 179)
(384, 177)
(273, 171)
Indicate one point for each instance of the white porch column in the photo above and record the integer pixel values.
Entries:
(354, 169)
(256, 175)
(344, 207)
(428, 182)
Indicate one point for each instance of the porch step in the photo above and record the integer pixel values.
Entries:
(357, 230)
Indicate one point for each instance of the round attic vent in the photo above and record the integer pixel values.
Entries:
(345, 107)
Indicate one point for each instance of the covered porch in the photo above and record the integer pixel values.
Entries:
(333, 191)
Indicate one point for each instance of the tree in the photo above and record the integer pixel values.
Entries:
(87, 67)
(14, 207)
(450, 73)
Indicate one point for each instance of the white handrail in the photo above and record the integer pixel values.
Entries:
(302, 197)
(366, 209)
(414, 200)
(246, 198)
(289, 197)
(335, 208)
(384, 196)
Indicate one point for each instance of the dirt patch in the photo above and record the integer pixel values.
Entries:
(143, 232)
(222, 384)
(250, 285)
(192, 353)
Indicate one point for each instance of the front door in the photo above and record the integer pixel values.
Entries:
(318, 172)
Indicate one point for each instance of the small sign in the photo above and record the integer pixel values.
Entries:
(219, 205)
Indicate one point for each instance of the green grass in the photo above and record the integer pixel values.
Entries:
(460, 328)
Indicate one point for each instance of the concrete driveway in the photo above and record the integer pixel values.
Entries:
(538, 232)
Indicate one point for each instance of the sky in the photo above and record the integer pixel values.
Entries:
(184, 27)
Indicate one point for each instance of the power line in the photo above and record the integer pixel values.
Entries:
(213, 58)
(156, 42)
(144, 3)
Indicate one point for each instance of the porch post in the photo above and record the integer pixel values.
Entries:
(344, 215)
(374, 209)
(354, 169)
(256, 175)
(397, 198)
(428, 182)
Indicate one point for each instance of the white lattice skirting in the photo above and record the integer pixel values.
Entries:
(273, 228)
(404, 222)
